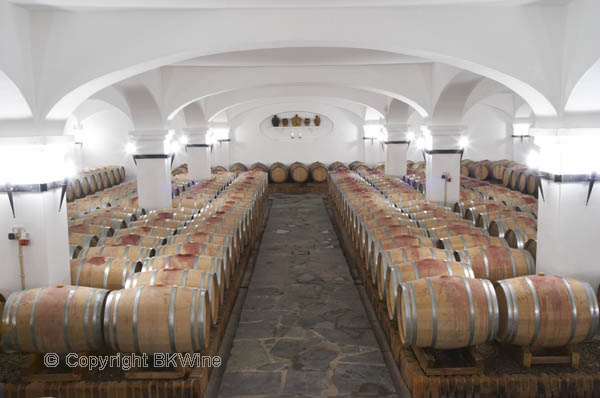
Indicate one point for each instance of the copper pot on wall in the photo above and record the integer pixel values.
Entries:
(296, 121)
(285, 122)
(307, 122)
(317, 121)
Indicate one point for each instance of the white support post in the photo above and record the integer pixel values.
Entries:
(442, 171)
(397, 149)
(153, 169)
(32, 174)
(198, 153)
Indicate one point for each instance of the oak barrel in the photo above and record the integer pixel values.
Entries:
(518, 236)
(238, 168)
(546, 311)
(181, 277)
(57, 319)
(157, 319)
(130, 252)
(83, 240)
(401, 273)
(299, 172)
(278, 172)
(190, 261)
(401, 255)
(103, 272)
(258, 166)
(464, 242)
(447, 312)
(318, 172)
(496, 262)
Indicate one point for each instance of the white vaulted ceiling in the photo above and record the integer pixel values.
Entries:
(224, 4)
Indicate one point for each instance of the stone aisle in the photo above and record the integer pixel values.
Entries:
(303, 330)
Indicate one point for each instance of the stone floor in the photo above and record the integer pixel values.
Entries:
(303, 330)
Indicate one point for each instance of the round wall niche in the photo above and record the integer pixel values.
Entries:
(303, 133)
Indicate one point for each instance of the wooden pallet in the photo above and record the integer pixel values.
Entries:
(529, 356)
(461, 361)
(36, 371)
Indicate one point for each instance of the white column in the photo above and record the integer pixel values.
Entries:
(568, 238)
(34, 169)
(442, 171)
(198, 153)
(397, 149)
(153, 169)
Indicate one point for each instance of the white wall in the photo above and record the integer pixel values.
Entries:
(104, 136)
(488, 134)
(344, 143)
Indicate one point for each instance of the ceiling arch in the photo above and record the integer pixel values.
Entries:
(99, 63)
(12, 102)
(223, 101)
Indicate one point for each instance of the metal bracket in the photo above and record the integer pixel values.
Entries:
(521, 136)
(10, 198)
(63, 192)
(31, 188)
(154, 156)
(572, 178)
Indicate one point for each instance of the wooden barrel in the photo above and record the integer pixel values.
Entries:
(58, 319)
(438, 212)
(447, 312)
(380, 167)
(401, 273)
(464, 242)
(83, 240)
(85, 185)
(114, 223)
(464, 171)
(238, 168)
(387, 258)
(478, 170)
(531, 247)
(151, 231)
(318, 172)
(369, 242)
(158, 222)
(111, 177)
(473, 213)
(134, 240)
(455, 229)
(130, 252)
(518, 236)
(92, 183)
(181, 277)
(278, 172)
(218, 169)
(258, 166)
(299, 172)
(501, 226)
(430, 223)
(394, 242)
(484, 219)
(157, 319)
(546, 311)
(495, 262)
(357, 165)
(497, 169)
(202, 249)
(69, 192)
(74, 251)
(190, 261)
(103, 272)
(77, 188)
(337, 166)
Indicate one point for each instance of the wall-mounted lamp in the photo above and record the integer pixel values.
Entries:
(130, 148)
(463, 142)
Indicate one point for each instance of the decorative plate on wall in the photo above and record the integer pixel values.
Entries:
(313, 126)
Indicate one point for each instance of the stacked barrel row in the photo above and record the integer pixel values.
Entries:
(445, 282)
(117, 208)
(155, 286)
(297, 172)
(92, 181)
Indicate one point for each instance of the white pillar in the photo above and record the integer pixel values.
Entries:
(35, 168)
(198, 153)
(397, 149)
(442, 171)
(568, 238)
(153, 169)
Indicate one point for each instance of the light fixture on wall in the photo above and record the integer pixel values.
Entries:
(35, 164)
(292, 135)
(130, 148)
(463, 142)
(300, 135)
(410, 135)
